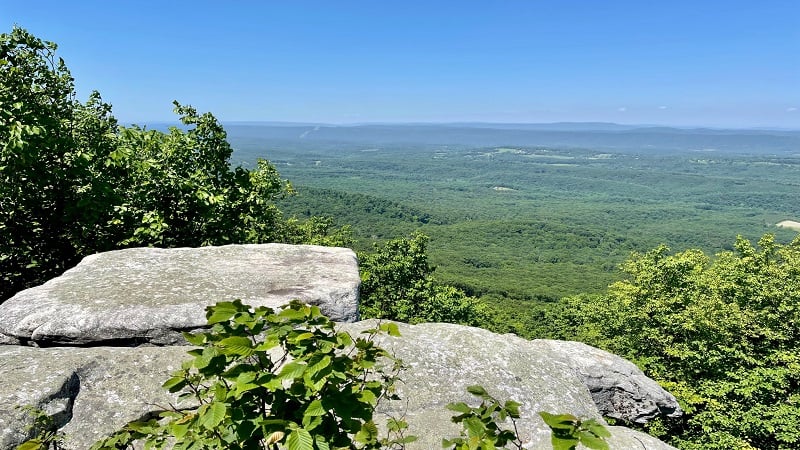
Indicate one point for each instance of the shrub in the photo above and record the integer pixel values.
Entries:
(397, 283)
(722, 334)
(264, 379)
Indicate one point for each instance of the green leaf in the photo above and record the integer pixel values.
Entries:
(368, 433)
(212, 415)
(205, 358)
(322, 363)
(179, 430)
(237, 345)
(33, 444)
(302, 337)
(221, 312)
(513, 408)
(459, 407)
(310, 423)
(270, 342)
(560, 421)
(474, 426)
(195, 338)
(563, 443)
(292, 314)
(391, 328)
(292, 370)
(408, 439)
(315, 408)
(487, 444)
(321, 443)
(274, 423)
(174, 384)
(299, 439)
(597, 428)
(367, 396)
(476, 389)
(592, 441)
(344, 339)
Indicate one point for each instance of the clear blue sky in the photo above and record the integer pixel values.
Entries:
(697, 63)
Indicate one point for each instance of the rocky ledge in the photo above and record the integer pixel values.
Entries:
(149, 296)
(93, 389)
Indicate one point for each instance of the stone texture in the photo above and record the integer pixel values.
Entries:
(149, 295)
(90, 392)
(99, 389)
(618, 387)
(443, 359)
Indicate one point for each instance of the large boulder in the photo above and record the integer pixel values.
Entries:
(443, 359)
(618, 387)
(149, 295)
(93, 391)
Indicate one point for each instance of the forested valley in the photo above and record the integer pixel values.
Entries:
(642, 244)
(524, 225)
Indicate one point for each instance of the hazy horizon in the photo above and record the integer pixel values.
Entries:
(711, 64)
(581, 126)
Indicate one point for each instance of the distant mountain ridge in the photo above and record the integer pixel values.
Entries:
(544, 126)
(600, 136)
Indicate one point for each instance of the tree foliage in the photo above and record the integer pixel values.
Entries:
(43, 429)
(397, 283)
(73, 182)
(722, 334)
(178, 188)
(40, 162)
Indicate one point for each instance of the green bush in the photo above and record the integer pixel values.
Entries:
(50, 145)
(264, 379)
(44, 432)
(481, 430)
(397, 283)
(570, 431)
(721, 334)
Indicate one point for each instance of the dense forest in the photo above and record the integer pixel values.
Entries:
(534, 222)
(560, 232)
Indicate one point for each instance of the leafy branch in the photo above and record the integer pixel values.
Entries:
(569, 431)
(481, 429)
(264, 379)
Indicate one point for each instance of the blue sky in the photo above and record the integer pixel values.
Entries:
(692, 63)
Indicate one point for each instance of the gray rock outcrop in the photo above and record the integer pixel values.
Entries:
(150, 295)
(443, 359)
(89, 392)
(619, 389)
(96, 390)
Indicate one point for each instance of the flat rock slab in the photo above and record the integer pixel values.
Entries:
(150, 295)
